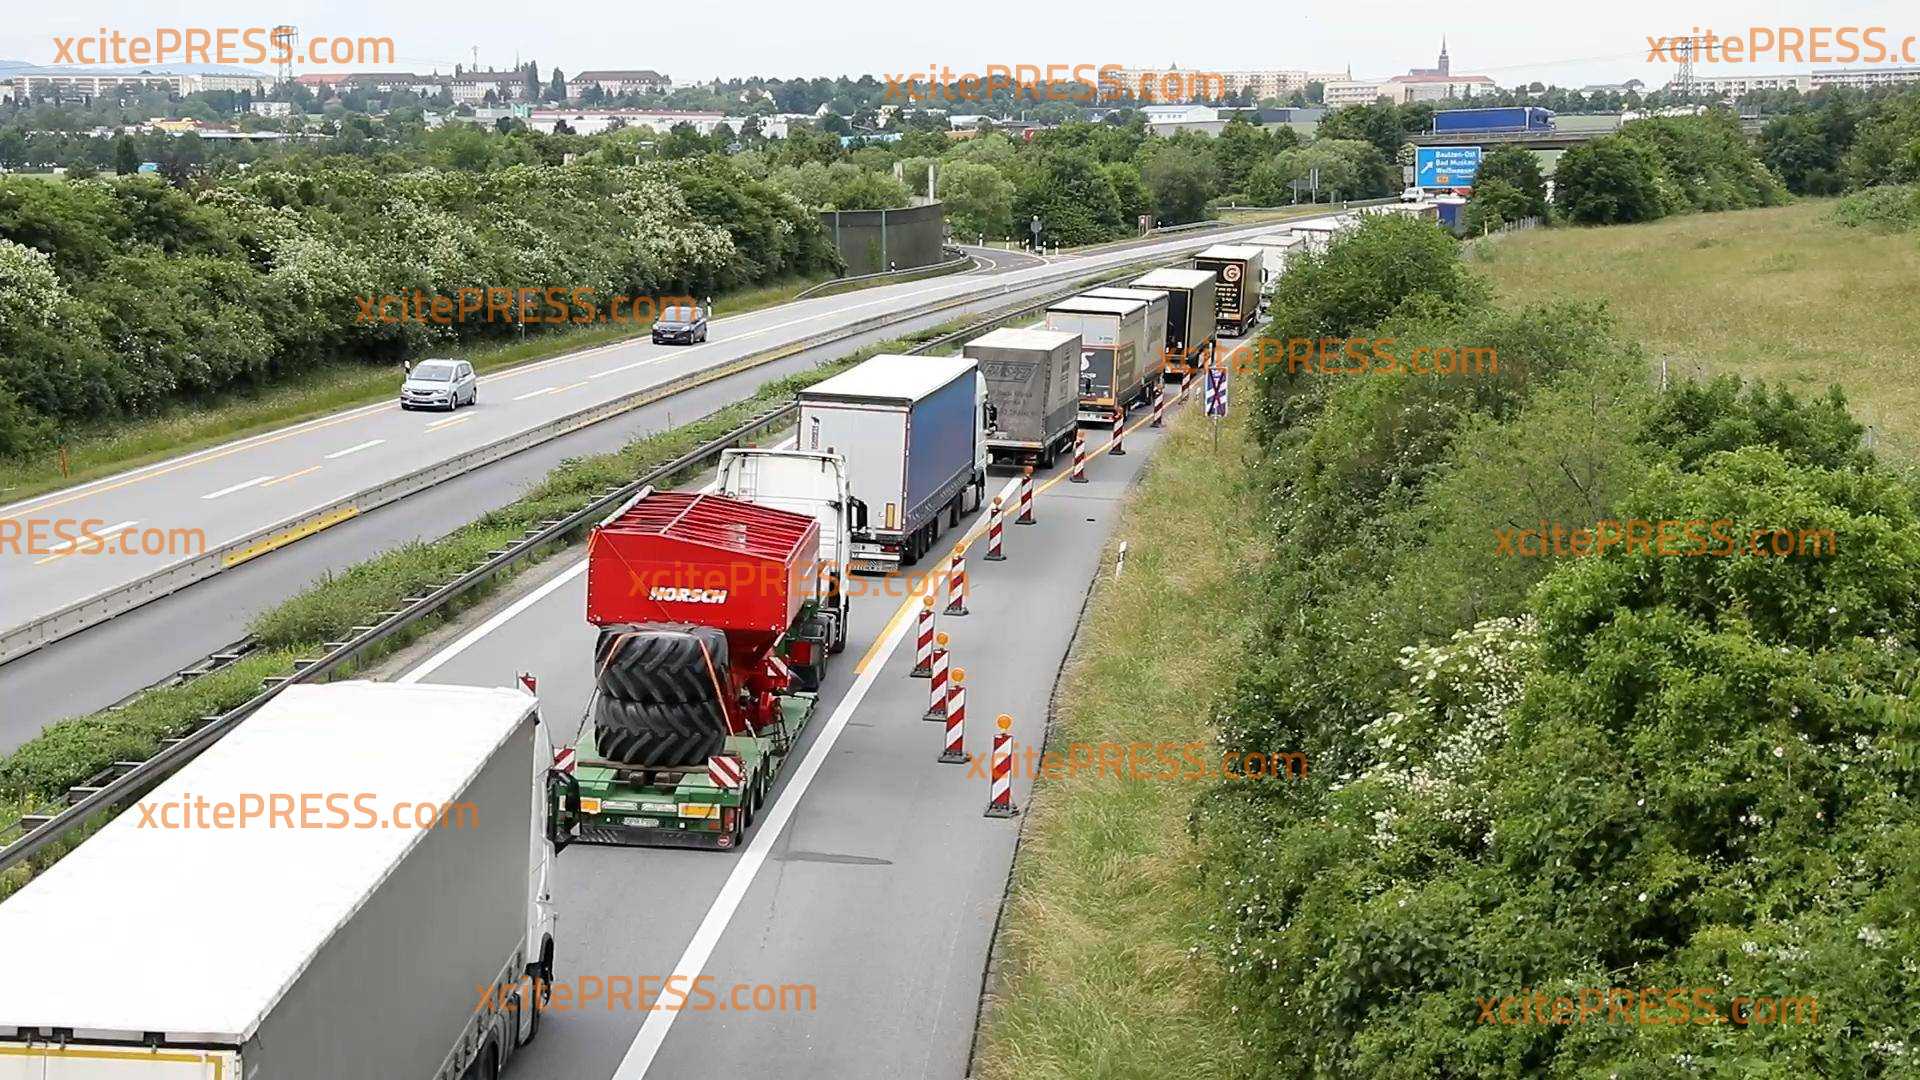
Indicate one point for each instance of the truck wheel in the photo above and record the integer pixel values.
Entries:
(661, 664)
(654, 735)
(840, 630)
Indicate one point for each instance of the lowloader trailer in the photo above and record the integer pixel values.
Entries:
(706, 606)
(1033, 393)
(913, 432)
(1113, 344)
(356, 881)
(1191, 330)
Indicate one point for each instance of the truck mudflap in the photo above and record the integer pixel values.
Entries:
(628, 806)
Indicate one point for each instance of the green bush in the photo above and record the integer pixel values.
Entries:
(1885, 209)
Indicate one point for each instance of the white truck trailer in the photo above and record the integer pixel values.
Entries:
(913, 432)
(1153, 362)
(354, 882)
(1190, 316)
(1033, 392)
(1113, 341)
(806, 482)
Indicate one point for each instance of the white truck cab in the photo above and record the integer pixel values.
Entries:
(805, 482)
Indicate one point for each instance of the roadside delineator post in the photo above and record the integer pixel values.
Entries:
(956, 751)
(1079, 457)
(923, 654)
(957, 583)
(1186, 382)
(937, 690)
(994, 554)
(1000, 789)
(1119, 429)
(1159, 404)
(1026, 498)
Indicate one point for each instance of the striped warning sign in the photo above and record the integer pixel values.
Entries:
(726, 771)
(564, 760)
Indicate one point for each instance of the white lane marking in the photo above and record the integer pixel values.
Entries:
(535, 393)
(91, 539)
(368, 445)
(653, 1032)
(630, 367)
(242, 486)
(448, 422)
(466, 640)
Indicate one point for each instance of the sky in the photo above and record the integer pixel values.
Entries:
(1512, 41)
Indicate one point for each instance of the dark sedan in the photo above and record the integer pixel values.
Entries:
(680, 326)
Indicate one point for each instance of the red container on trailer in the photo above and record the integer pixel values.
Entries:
(688, 557)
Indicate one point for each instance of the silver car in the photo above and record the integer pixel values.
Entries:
(439, 384)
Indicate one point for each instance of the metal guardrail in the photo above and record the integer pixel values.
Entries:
(124, 781)
(951, 265)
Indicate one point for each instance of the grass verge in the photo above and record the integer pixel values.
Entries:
(116, 446)
(1785, 294)
(1103, 969)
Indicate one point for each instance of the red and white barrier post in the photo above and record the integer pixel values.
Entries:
(1159, 404)
(923, 653)
(957, 583)
(1119, 429)
(1000, 789)
(1079, 457)
(994, 554)
(937, 690)
(956, 751)
(1026, 498)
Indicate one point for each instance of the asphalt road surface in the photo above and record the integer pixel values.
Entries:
(165, 513)
(872, 876)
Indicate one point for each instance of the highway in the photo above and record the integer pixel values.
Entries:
(872, 876)
(232, 490)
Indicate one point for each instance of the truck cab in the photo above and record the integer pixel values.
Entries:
(810, 482)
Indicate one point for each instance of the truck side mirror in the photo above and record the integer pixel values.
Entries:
(859, 512)
(563, 809)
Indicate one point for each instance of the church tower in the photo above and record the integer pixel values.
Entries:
(1445, 65)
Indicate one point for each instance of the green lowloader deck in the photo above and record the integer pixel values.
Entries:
(631, 806)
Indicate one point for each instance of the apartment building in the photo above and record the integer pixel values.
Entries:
(616, 83)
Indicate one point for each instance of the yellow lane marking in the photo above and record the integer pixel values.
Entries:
(280, 540)
(292, 475)
(442, 425)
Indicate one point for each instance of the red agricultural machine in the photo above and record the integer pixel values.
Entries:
(709, 624)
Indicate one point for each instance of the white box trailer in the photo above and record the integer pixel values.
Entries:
(1237, 291)
(1033, 392)
(1153, 362)
(1276, 249)
(912, 430)
(1113, 338)
(1190, 315)
(339, 939)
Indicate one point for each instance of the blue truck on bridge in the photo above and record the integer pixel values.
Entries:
(1463, 121)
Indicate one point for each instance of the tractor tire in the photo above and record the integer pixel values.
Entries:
(660, 664)
(657, 736)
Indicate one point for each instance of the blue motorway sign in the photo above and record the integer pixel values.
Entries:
(1445, 166)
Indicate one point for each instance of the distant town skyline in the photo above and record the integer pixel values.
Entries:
(1512, 43)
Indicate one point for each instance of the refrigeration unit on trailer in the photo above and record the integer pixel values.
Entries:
(1153, 361)
(1113, 340)
(356, 881)
(1190, 315)
(912, 430)
(1237, 291)
(713, 636)
(1033, 392)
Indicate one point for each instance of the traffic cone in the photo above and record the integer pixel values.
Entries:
(937, 690)
(956, 751)
(923, 654)
(1000, 784)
